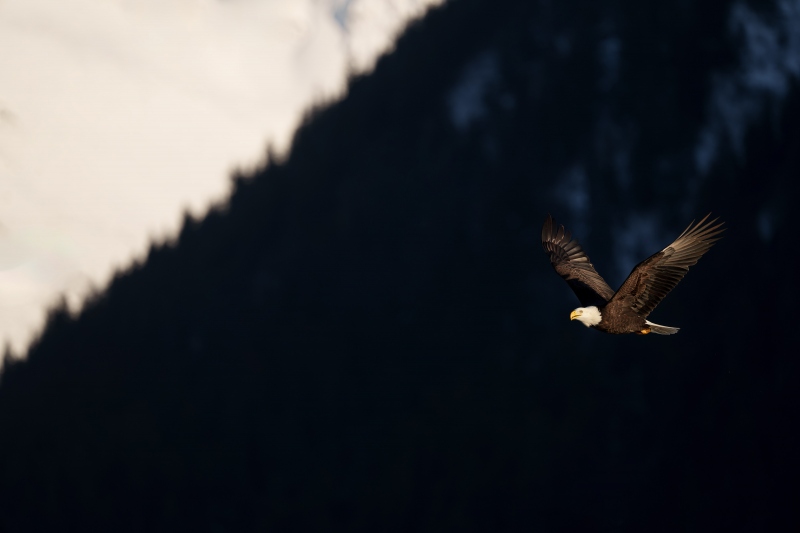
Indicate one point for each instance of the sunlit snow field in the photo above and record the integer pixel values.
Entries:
(118, 116)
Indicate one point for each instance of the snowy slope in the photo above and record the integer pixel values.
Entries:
(115, 117)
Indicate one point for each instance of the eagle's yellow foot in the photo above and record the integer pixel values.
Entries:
(645, 331)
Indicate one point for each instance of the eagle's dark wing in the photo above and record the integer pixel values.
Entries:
(652, 279)
(572, 264)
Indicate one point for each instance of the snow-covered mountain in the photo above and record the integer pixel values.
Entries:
(367, 337)
(116, 117)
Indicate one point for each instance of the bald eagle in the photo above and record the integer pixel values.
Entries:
(626, 310)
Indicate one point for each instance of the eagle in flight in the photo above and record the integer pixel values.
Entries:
(626, 310)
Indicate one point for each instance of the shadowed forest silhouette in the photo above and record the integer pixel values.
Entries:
(368, 337)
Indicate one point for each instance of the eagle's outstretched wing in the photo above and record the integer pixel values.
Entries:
(652, 279)
(572, 264)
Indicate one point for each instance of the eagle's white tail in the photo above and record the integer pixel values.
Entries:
(661, 330)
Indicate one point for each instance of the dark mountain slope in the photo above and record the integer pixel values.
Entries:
(368, 336)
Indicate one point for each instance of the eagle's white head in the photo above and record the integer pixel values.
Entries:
(589, 316)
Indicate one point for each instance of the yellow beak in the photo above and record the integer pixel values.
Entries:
(575, 314)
